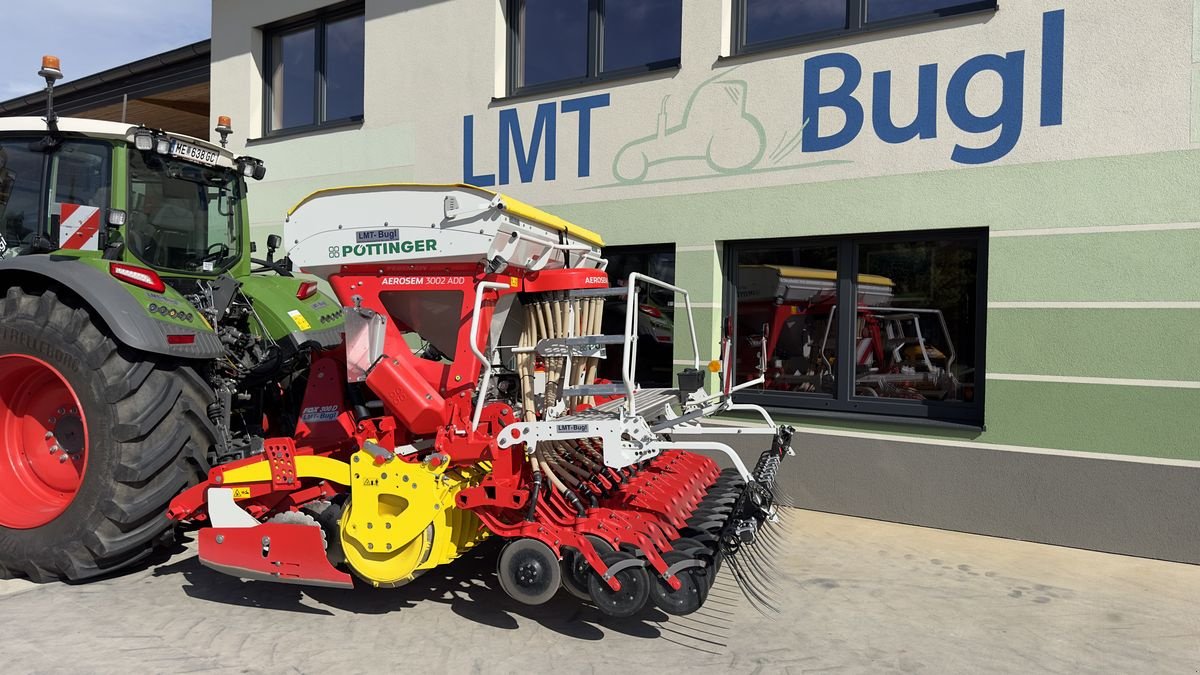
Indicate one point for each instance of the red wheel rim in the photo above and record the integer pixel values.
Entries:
(43, 442)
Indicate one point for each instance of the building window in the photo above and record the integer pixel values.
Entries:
(655, 316)
(557, 43)
(911, 347)
(766, 24)
(315, 66)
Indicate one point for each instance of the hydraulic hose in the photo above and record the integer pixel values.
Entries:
(558, 484)
(534, 494)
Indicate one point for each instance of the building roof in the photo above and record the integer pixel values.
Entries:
(168, 90)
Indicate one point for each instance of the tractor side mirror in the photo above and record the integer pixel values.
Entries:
(254, 247)
(274, 241)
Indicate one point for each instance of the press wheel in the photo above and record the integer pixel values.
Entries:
(529, 571)
(693, 589)
(635, 587)
(576, 570)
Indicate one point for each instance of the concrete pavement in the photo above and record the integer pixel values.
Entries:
(856, 596)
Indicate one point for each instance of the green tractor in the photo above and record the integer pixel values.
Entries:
(140, 341)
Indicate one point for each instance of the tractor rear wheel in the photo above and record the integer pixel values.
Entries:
(95, 440)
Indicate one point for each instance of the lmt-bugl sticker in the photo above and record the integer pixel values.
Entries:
(372, 236)
(384, 248)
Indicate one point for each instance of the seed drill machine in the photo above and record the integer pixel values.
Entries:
(464, 404)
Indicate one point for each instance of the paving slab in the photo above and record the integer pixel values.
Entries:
(855, 596)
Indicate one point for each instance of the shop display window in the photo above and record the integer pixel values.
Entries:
(911, 346)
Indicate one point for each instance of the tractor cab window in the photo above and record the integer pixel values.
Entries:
(183, 217)
(79, 181)
(20, 195)
(79, 194)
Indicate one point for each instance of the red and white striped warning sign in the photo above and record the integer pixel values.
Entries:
(79, 227)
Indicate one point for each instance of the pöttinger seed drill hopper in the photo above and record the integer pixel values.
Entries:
(464, 405)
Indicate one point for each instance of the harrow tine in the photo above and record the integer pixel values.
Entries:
(768, 531)
(764, 560)
(753, 594)
(785, 524)
(773, 541)
(743, 573)
(768, 541)
(784, 498)
(769, 488)
(761, 564)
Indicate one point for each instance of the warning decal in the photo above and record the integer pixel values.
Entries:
(79, 227)
(298, 318)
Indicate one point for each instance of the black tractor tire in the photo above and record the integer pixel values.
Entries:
(148, 439)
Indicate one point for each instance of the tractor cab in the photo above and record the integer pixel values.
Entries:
(123, 192)
(185, 216)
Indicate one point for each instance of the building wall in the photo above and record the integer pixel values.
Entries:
(1087, 186)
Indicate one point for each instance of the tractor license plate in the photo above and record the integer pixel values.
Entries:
(194, 153)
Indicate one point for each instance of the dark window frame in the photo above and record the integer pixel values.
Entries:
(856, 23)
(843, 403)
(317, 20)
(515, 18)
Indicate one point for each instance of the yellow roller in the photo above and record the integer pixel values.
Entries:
(401, 520)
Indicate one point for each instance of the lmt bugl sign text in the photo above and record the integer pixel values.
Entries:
(526, 145)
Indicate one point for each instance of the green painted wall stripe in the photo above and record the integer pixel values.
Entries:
(1143, 344)
(1127, 266)
(1121, 420)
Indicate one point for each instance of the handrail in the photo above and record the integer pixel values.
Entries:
(486, 362)
(629, 358)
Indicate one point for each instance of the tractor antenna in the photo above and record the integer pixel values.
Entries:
(224, 128)
(51, 71)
